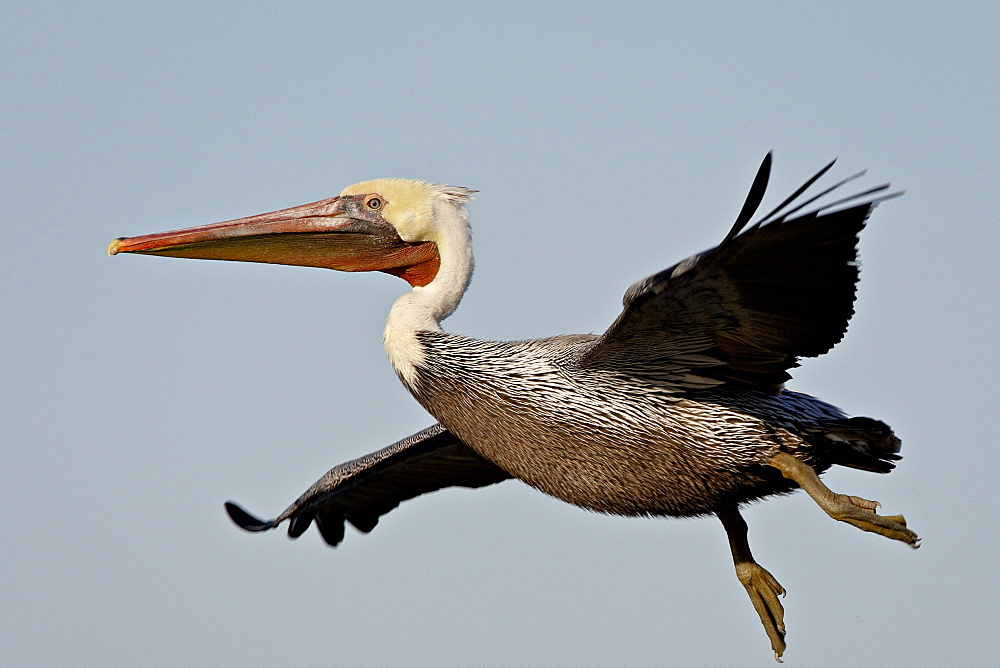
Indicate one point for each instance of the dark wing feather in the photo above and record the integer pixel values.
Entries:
(362, 490)
(745, 311)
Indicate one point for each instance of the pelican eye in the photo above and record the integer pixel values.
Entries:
(374, 203)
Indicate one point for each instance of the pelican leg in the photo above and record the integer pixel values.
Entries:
(851, 509)
(761, 586)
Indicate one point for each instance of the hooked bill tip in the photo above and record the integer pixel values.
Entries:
(115, 246)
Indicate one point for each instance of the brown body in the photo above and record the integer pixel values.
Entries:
(614, 443)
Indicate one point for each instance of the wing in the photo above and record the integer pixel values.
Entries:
(362, 490)
(745, 311)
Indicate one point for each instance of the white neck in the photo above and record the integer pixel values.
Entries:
(425, 307)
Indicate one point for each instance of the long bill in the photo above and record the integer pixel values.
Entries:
(320, 234)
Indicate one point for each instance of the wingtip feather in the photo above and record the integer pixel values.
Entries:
(753, 200)
(245, 520)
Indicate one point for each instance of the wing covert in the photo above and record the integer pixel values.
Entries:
(745, 311)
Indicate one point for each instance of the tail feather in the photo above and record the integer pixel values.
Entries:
(859, 442)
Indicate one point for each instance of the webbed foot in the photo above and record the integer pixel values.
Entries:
(861, 513)
(764, 591)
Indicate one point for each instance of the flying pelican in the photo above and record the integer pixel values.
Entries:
(678, 409)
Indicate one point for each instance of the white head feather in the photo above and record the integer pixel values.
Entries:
(424, 211)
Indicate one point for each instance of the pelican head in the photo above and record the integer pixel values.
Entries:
(397, 226)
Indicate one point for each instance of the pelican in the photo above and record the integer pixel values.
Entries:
(679, 409)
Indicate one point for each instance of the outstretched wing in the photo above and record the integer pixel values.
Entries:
(745, 311)
(362, 490)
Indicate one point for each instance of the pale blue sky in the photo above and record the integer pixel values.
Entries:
(140, 393)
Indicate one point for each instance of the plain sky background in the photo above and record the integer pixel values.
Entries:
(607, 142)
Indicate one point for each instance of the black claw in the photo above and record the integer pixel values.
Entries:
(245, 520)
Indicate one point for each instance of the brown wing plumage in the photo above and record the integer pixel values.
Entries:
(362, 490)
(745, 311)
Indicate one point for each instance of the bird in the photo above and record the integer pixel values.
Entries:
(679, 409)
